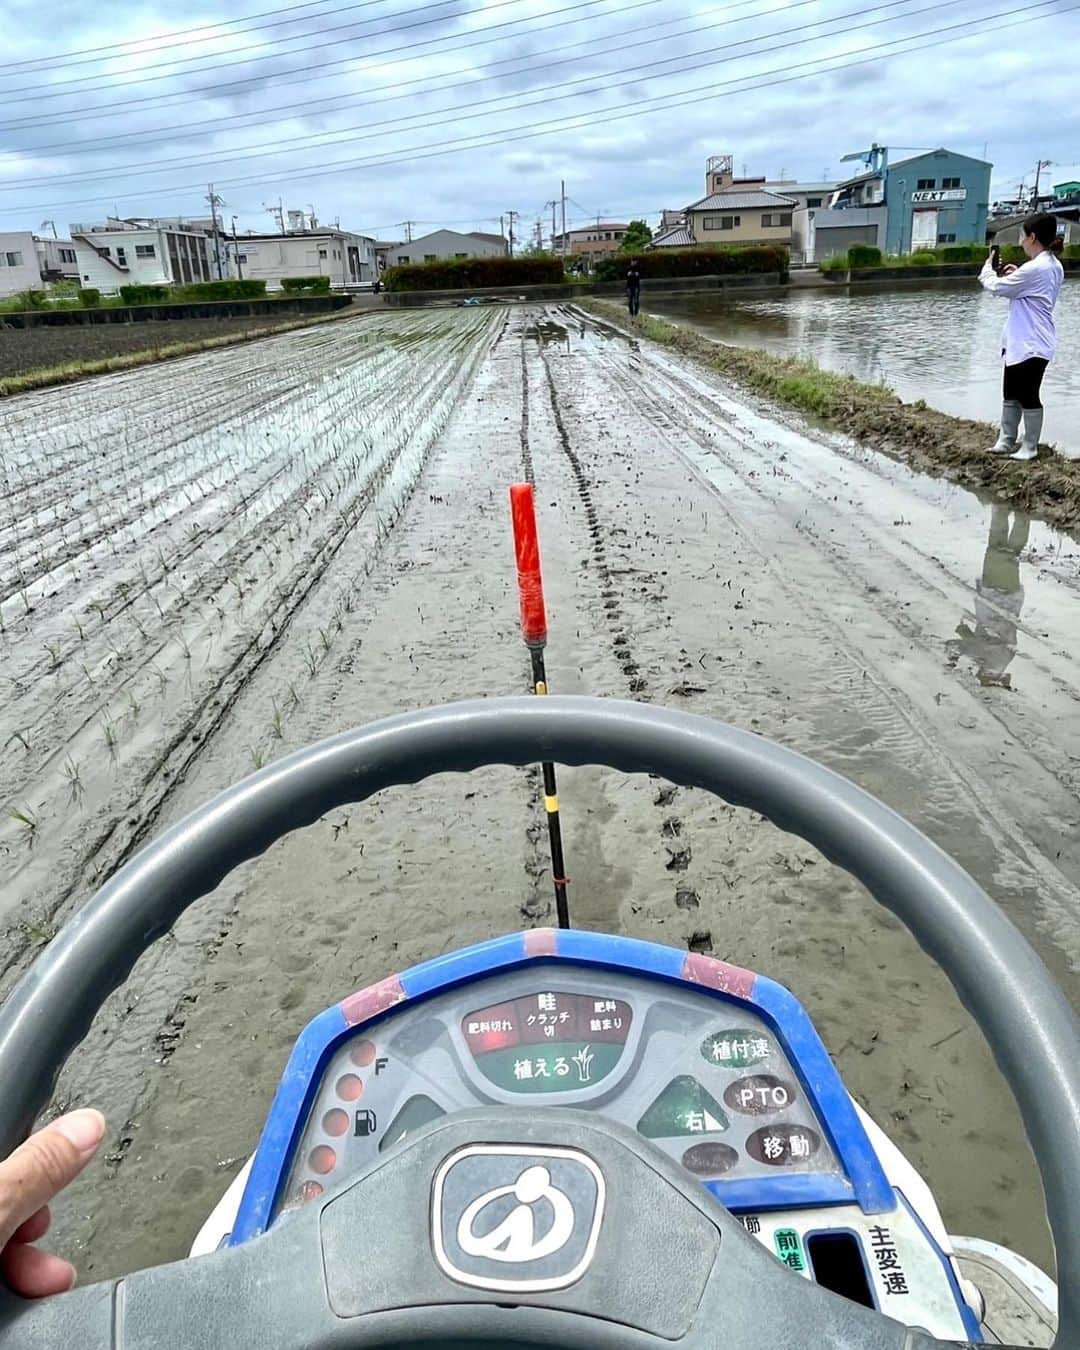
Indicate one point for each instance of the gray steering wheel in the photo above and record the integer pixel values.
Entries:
(329, 1275)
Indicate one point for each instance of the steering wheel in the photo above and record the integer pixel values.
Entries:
(361, 1266)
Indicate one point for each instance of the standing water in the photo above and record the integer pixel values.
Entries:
(938, 341)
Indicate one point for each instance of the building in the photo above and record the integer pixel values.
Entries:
(142, 253)
(27, 262)
(1067, 194)
(741, 215)
(673, 236)
(347, 259)
(926, 200)
(1009, 229)
(736, 211)
(440, 245)
(592, 242)
(938, 197)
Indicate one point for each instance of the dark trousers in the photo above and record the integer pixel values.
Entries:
(633, 299)
(1023, 381)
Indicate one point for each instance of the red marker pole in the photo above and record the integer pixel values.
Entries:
(534, 631)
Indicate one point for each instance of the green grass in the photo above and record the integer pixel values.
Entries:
(800, 384)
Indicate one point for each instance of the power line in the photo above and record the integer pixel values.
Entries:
(258, 152)
(206, 32)
(176, 32)
(57, 88)
(530, 131)
(303, 75)
(309, 105)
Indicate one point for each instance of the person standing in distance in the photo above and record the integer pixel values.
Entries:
(633, 289)
(1030, 337)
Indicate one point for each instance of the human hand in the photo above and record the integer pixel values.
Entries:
(39, 1169)
(1008, 269)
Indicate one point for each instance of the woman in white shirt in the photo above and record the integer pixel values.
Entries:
(1028, 341)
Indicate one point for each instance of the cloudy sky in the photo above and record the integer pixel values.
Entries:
(455, 112)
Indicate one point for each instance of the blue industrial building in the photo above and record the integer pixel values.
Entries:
(932, 198)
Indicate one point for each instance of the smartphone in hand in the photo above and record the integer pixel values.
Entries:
(995, 258)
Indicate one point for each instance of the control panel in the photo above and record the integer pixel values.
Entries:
(708, 1082)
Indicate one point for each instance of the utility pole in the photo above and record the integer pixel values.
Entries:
(278, 212)
(407, 225)
(553, 205)
(215, 201)
(511, 216)
(1039, 166)
(562, 195)
(236, 252)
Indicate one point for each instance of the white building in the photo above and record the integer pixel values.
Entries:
(347, 259)
(28, 262)
(443, 244)
(125, 253)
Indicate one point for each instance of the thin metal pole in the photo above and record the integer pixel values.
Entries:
(551, 805)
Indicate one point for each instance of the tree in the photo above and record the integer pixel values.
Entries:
(638, 236)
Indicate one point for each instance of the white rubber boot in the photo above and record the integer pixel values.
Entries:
(1029, 446)
(1009, 434)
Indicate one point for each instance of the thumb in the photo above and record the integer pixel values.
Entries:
(42, 1166)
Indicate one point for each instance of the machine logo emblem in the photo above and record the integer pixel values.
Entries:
(535, 1229)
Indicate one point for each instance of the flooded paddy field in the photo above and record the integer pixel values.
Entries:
(938, 341)
(208, 564)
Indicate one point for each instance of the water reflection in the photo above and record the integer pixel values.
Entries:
(939, 342)
(999, 597)
(549, 333)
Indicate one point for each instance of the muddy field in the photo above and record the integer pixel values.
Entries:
(209, 563)
(25, 349)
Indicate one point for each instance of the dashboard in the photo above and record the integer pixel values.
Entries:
(708, 1081)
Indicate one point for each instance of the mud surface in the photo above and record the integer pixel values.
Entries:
(25, 349)
(209, 563)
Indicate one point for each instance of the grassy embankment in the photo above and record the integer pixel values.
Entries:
(927, 440)
(69, 371)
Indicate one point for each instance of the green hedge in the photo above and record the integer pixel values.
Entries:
(229, 289)
(864, 255)
(310, 285)
(698, 262)
(143, 295)
(459, 274)
(1072, 250)
(89, 298)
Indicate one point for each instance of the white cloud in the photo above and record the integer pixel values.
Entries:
(370, 91)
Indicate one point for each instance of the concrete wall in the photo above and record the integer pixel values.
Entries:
(162, 313)
(965, 218)
(571, 291)
(19, 266)
(443, 244)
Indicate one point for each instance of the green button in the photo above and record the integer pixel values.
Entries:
(789, 1248)
(683, 1108)
(737, 1048)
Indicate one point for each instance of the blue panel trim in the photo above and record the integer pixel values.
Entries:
(289, 1110)
(470, 963)
(825, 1090)
(753, 1195)
(971, 1322)
(318, 1041)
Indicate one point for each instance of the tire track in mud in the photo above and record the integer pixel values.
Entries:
(949, 791)
(675, 841)
(101, 852)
